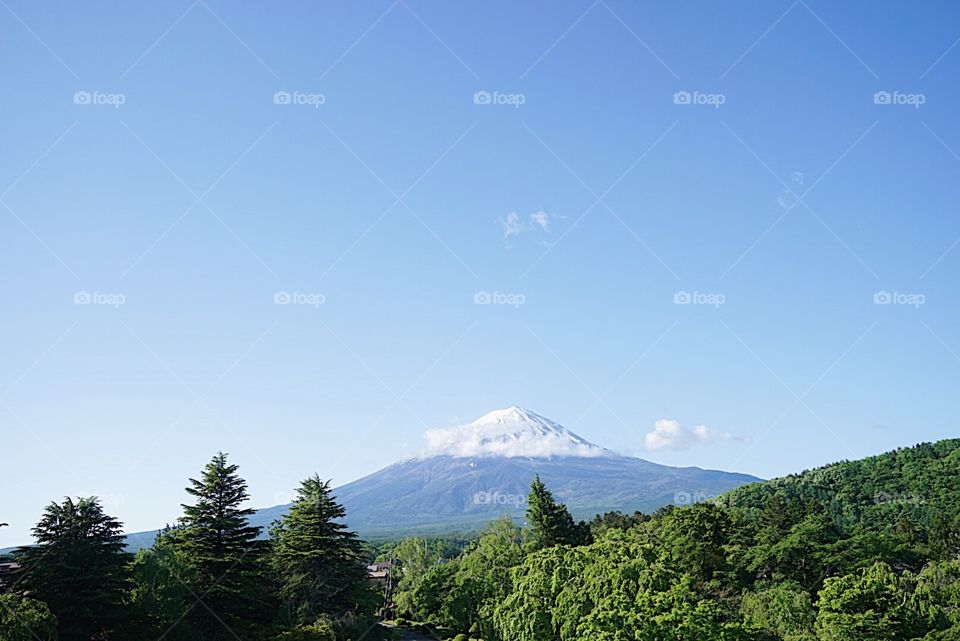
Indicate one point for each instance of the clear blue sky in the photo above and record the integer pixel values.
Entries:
(184, 210)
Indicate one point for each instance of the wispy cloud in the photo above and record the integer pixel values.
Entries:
(788, 195)
(668, 434)
(515, 225)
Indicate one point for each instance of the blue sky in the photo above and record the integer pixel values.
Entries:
(148, 222)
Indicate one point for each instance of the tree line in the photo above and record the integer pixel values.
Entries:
(211, 577)
(858, 551)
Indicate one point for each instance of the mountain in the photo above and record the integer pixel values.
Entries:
(473, 473)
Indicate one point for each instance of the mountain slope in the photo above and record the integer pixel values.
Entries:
(444, 491)
(473, 473)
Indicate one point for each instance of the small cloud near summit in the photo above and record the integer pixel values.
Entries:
(509, 432)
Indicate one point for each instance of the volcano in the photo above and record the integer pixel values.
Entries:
(470, 474)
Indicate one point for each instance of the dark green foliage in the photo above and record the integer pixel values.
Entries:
(610, 520)
(24, 619)
(551, 522)
(78, 568)
(317, 561)
(224, 559)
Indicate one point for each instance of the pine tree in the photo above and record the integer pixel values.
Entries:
(223, 556)
(78, 567)
(317, 561)
(551, 521)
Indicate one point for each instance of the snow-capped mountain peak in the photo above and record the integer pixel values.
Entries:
(510, 432)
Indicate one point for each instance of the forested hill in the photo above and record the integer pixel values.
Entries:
(918, 483)
(864, 550)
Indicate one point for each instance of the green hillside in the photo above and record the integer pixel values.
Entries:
(918, 483)
(864, 550)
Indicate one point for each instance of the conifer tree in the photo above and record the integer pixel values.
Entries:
(317, 560)
(78, 567)
(223, 556)
(551, 521)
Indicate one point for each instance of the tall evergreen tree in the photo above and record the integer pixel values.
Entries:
(317, 561)
(551, 521)
(78, 567)
(223, 556)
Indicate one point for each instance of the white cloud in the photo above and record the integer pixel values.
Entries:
(541, 219)
(669, 434)
(463, 442)
(514, 224)
(512, 432)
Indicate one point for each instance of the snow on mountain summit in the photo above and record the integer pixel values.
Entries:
(510, 432)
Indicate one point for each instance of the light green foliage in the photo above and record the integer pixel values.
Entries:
(873, 605)
(482, 579)
(23, 619)
(621, 588)
(160, 591)
(938, 594)
(321, 630)
(784, 611)
(461, 593)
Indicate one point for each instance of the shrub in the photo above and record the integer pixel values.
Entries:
(322, 630)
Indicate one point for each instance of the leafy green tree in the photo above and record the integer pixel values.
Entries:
(798, 555)
(482, 580)
(161, 592)
(938, 594)
(317, 561)
(223, 557)
(872, 605)
(619, 588)
(692, 539)
(783, 610)
(435, 599)
(615, 520)
(415, 557)
(78, 567)
(944, 537)
(24, 619)
(551, 521)
(527, 614)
